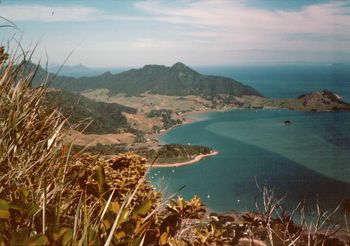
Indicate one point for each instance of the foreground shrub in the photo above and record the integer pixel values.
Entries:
(48, 196)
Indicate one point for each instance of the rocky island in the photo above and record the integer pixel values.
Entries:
(319, 101)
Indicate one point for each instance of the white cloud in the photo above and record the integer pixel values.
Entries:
(44, 13)
(198, 32)
(63, 13)
(232, 23)
(152, 43)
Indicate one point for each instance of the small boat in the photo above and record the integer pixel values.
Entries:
(287, 122)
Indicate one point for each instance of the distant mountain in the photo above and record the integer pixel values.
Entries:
(105, 117)
(74, 71)
(178, 80)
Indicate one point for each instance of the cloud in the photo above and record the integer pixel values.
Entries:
(63, 13)
(42, 13)
(152, 43)
(225, 31)
(232, 22)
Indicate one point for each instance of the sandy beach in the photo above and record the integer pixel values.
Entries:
(179, 164)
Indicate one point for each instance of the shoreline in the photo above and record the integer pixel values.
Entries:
(189, 117)
(190, 162)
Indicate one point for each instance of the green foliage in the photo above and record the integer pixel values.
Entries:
(168, 153)
(166, 116)
(3, 55)
(193, 209)
(173, 153)
(105, 117)
(178, 80)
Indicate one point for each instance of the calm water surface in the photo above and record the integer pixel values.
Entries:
(309, 159)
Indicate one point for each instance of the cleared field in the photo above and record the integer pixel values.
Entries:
(79, 138)
(147, 102)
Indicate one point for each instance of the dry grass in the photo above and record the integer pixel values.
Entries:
(79, 138)
(48, 196)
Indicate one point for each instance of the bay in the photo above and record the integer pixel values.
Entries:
(307, 160)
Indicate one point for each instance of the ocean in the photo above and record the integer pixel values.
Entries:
(305, 161)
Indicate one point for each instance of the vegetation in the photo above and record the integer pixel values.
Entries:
(173, 153)
(102, 149)
(165, 115)
(168, 153)
(99, 117)
(178, 80)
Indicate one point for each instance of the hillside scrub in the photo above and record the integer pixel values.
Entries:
(105, 117)
(50, 197)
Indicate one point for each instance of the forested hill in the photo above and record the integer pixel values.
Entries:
(177, 80)
(105, 117)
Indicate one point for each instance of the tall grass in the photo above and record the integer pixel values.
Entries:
(47, 195)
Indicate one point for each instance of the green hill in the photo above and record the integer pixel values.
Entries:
(105, 117)
(178, 80)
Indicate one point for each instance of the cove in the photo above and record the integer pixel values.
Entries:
(256, 145)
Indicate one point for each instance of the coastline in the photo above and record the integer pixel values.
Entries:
(189, 117)
(190, 162)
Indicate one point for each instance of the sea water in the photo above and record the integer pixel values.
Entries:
(308, 160)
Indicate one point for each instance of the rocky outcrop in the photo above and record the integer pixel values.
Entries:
(314, 102)
(322, 101)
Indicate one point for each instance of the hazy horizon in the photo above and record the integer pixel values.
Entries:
(262, 64)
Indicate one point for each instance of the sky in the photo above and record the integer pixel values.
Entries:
(114, 33)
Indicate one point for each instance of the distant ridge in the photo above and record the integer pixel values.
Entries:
(177, 80)
(74, 70)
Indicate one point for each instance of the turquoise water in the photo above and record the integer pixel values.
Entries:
(309, 159)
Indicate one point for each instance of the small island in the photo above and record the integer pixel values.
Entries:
(320, 101)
